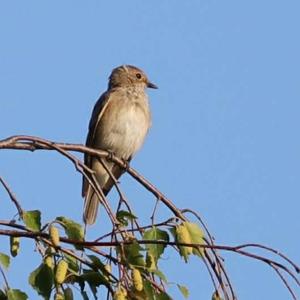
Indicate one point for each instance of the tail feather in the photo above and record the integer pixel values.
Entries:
(105, 181)
(91, 205)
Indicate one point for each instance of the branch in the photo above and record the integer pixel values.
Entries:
(31, 143)
(88, 244)
(212, 260)
(12, 197)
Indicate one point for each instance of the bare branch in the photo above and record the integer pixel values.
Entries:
(12, 197)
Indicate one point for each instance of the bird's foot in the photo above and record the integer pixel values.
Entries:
(111, 154)
(126, 164)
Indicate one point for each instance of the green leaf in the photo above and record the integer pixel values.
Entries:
(133, 255)
(41, 279)
(156, 250)
(16, 295)
(4, 260)
(72, 263)
(148, 289)
(96, 261)
(151, 263)
(189, 233)
(124, 216)
(183, 236)
(32, 220)
(197, 237)
(163, 296)
(73, 230)
(184, 290)
(94, 279)
(161, 275)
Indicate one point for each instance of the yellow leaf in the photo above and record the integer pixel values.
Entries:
(183, 236)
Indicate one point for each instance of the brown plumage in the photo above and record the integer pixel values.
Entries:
(120, 121)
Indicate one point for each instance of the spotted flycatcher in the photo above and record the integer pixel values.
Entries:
(120, 121)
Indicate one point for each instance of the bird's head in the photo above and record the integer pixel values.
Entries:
(127, 75)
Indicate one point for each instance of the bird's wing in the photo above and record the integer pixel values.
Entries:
(98, 111)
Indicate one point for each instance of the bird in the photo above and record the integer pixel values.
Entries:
(120, 121)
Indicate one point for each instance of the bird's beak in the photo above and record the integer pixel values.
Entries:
(151, 85)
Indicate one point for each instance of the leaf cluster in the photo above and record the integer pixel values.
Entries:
(129, 269)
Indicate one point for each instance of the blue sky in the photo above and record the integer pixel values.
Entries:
(225, 134)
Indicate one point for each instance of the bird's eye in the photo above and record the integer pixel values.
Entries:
(138, 75)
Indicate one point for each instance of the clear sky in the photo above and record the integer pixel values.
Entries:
(225, 134)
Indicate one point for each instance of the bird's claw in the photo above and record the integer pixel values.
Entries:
(111, 154)
(126, 164)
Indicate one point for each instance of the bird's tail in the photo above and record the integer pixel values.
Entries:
(105, 181)
(90, 207)
(91, 202)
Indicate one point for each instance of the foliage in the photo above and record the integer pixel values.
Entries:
(61, 269)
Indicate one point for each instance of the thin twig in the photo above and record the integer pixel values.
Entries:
(4, 277)
(121, 194)
(285, 282)
(154, 210)
(12, 197)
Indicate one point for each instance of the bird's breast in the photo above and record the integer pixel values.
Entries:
(124, 125)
